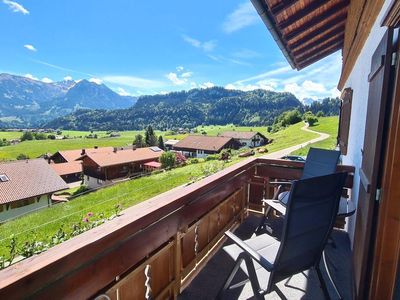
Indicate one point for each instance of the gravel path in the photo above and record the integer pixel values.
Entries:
(287, 151)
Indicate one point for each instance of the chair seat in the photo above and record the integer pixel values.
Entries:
(265, 245)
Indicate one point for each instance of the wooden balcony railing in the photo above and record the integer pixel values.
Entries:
(156, 247)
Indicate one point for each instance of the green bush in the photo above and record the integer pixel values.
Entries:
(212, 157)
(27, 136)
(81, 189)
(194, 160)
(167, 159)
(22, 156)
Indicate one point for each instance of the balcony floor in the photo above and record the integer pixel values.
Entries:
(301, 286)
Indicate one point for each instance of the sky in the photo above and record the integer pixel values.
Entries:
(139, 47)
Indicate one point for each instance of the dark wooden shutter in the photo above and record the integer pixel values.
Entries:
(374, 144)
(344, 122)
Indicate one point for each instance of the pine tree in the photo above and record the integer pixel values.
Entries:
(160, 142)
(138, 142)
(150, 138)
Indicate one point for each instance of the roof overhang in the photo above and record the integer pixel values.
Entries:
(305, 30)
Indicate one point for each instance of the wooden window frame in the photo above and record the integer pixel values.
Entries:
(344, 119)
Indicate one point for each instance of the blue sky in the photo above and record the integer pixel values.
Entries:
(144, 47)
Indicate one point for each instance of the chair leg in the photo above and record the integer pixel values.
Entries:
(322, 283)
(330, 276)
(253, 278)
(230, 278)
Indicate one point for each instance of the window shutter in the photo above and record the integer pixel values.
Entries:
(344, 119)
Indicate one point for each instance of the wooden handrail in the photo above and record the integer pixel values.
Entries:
(88, 263)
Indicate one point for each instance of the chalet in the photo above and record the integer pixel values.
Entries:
(200, 146)
(72, 155)
(69, 171)
(26, 186)
(247, 138)
(101, 168)
(169, 144)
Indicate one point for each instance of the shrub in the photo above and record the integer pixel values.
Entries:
(22, 156)
(310, 118)
(212, 157)
(167, 159)
(81, 189)
(320, 114)
(194, 160)
(51, 137)
(27, 136)
(40, 136)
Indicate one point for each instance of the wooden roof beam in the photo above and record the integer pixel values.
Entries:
(315, 21)
(310, 60)
(325, 29)
(282, 6)
(317, 47)
(308, 9)
(307, 45)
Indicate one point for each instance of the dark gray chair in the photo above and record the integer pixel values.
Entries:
(319, 162)
(310, 216)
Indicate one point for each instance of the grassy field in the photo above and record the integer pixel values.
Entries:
(327, 125)
(43, 224)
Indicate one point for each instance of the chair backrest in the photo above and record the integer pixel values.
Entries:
(310, 215)
(320, 162)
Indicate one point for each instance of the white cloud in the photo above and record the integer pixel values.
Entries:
(96, 80)
(30, 76)
(206, 46)
(206, 85)
(246, 54)
(243, 16)
(122, 92)
(180, 68)
(187, 74)
(16, 7)
(314, 82)
(175, 79)
(133, 81)
(46, 80)
(30, 47)
(67, 78)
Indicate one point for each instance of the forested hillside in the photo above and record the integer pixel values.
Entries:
(186, 109)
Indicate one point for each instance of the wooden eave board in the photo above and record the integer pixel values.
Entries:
(310, 29)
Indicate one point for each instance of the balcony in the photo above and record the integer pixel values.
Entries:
(168, 246)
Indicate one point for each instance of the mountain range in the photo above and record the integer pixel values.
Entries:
(27, 102)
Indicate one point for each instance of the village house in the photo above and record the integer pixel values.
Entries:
(169, 144)
(101, 168)
(72, 155)
(200, 146)
(250, 139)
(71, 172)
(26, 186)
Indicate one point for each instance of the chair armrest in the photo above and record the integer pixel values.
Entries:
(250, 251)
(275, 204)
(281, 182)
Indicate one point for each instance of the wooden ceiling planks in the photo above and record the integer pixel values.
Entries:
(309, 30)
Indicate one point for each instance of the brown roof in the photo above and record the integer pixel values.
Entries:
(200, 142)
(104, 159)
(67, 168)
(244, 135)
(306, 31)
(28, 178)
(71, 155)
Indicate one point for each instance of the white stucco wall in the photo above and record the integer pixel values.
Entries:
(12, 213)
(358, 81)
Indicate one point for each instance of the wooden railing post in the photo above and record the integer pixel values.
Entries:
(178, 264)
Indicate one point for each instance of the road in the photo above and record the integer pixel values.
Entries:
(287, 151)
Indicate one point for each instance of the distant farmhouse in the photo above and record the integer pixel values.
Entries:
(101, 168)
(69, 171)
(26, 186)
(66, 165)
(247, 138)
(200, 146)
(169, 144)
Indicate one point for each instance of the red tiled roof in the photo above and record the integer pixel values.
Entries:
(28, 178)
(124, 156)
(67, 168)
(71, 155)
(154, 164)
(200, 142)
